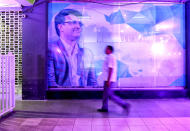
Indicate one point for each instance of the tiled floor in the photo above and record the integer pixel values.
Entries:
(81, 115)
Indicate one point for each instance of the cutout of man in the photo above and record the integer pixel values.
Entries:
(66, 60)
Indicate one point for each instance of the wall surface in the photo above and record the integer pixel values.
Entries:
(35, 47)
(34, 51)
(187, 11)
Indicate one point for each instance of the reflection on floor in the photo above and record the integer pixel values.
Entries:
(81, 115)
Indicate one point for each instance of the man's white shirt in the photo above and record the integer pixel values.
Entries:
(72, 51)
(110, 62)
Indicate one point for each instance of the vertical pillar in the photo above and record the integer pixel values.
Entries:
(34, 51)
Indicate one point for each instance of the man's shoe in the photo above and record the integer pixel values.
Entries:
(102, 110)
(126, 106)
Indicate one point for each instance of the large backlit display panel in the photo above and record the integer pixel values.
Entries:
(148, 39)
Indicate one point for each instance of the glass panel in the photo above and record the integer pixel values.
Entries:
(148, 39)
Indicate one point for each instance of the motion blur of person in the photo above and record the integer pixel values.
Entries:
(110, 73)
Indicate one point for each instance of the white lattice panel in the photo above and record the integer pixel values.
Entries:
(11, 39)
(7, 83)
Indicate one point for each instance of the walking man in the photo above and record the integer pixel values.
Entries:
(110, 78)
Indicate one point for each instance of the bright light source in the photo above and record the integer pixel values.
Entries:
(99, 73)
(58, 50)
(9, 3)
(158, 49)
(179, 53)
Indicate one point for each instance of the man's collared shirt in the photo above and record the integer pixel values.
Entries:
(110, 62)
(71, 51)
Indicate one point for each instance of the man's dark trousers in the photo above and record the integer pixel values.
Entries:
(108, 93)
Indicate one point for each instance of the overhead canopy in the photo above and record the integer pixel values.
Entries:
(9, 3)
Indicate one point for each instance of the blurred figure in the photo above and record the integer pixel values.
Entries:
(110, 73)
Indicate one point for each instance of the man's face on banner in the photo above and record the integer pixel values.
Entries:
(72, 27)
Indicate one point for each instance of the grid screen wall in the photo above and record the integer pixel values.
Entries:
(11, 39)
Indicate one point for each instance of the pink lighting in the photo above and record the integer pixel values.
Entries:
(9, 3)
(58, 50)
(158, 49)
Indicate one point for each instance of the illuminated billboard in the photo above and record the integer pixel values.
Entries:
(148, 39)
